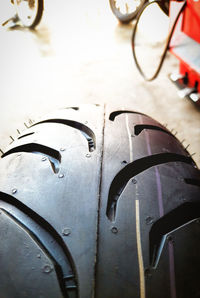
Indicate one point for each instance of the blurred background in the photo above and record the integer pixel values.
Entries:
(80, 53)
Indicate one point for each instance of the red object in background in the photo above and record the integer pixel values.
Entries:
(192, 76)
(185, 44)
(191, 20)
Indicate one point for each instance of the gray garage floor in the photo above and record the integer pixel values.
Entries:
(80, 54)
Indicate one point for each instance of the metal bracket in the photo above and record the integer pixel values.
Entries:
(186, 92)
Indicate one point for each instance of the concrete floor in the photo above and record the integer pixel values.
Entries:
(80, 54)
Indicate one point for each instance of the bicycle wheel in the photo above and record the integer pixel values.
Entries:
(29, 12)
(126, 10)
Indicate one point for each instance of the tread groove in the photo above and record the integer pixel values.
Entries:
(53, 155)
(26, 135)
(140, 127)
(195, 182)
(72, 108)
(85, 130)
(114, 114)
(42, 246)
(134, 168)
(40, 223)
(168, 223)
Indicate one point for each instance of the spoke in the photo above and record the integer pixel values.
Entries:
(127, 8)
(31, 4)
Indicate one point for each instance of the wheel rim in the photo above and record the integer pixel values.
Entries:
(126, 7)
(27, 11)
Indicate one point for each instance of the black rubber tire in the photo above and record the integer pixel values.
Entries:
(37, 18)
(125, 18)
(99, 203)
(164, 5)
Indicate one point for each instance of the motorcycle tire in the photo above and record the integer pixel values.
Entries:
(96, 202)
(29, 12)
(125, 17)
